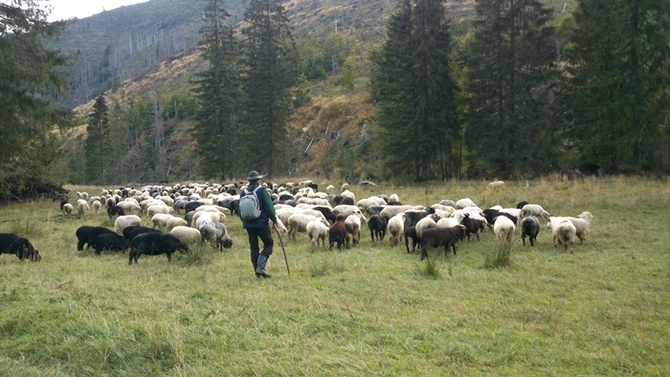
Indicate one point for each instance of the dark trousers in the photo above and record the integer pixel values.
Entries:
(265, 234)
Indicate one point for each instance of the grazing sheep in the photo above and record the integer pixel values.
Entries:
(504, 228)
(530, 227)
(563, 232)
(110, 241)
(87, 234)
(129, 207)
(353, 224)
(377, 226)
(472, 225)
(82, 206)
(159, 208)
(298, 223)
(534, 210)
(347, 210)
(186, 234)
(115, 210)
(122, 222)
(582, 224)
(217, 234)
(175, 221)
(317, 231)
(410, 234)
(396, 229)
(436, 237)
(337, 233)
(96, 205)
(155, 244)
(67, 208)
(19, 246)
(160, 220)
(426, 223)
(203, 216)
(496, 185)
(134, 230)
(464, 203)
(390, 211)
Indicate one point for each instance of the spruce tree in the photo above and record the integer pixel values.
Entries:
(269, 62)
(31, 76)
(415, 93)
(97, 143)
(620, 75)
(217, 91)
(511, 72)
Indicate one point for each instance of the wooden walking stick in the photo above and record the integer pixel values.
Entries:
(281, 242)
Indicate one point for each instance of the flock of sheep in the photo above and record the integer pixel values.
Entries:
(302, 208)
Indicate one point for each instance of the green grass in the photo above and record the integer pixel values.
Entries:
(371, 310)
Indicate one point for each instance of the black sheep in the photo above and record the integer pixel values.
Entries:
(86, 234)
(327, 213)
(133, 231)
(19, 246)
(111, 242)
(410, 234)
(377, 226)
(155, 244)
(530, 226)
(115, 210)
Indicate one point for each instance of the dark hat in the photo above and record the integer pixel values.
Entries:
(254, 176)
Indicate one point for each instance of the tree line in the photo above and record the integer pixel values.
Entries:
(523, 92)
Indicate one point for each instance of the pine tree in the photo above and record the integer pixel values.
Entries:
(217, 91)
(97, 143)
(510, 59)
(416, 93)
(31, 75)
(620, 75)
(269, 61)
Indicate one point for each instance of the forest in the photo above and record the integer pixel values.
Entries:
(432, 90)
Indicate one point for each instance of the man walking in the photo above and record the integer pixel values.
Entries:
(258, 228)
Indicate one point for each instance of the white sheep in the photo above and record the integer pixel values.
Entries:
(160, 220)
(122, 222)
(159, 208)
(129, 206)
(534, 210)
(330, 189)
(317, 231)
(67, 208)
(395, 229)
(582, 224)
(347, 210)
(213, 208)
(298, 223)
(496, 185)
(563, 232)
(504, 228)
(394, 198)
(175, 221)
(369, 202)
(82, 206)
(186, 234)
(423, 224)
(447, 222)
(348, 194)
(353, 224)
(465, 202)
(96, 205)
(200, 217)
(390, 211)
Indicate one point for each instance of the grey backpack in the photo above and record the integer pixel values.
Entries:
(250, 206)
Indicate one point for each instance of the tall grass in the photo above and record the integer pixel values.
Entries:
(370, 310)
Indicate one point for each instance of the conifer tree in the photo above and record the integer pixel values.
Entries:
(97, 143)
(217, 91)
(416, 93)
(510, 61)
(269, 69)
(31, 75)
(620, 74)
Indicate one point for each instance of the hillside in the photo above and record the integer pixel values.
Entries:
(149, 50)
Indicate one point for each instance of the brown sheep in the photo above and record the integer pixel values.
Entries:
(436, 237)
(338, 233)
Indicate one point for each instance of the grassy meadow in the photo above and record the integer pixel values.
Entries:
(371, 310)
